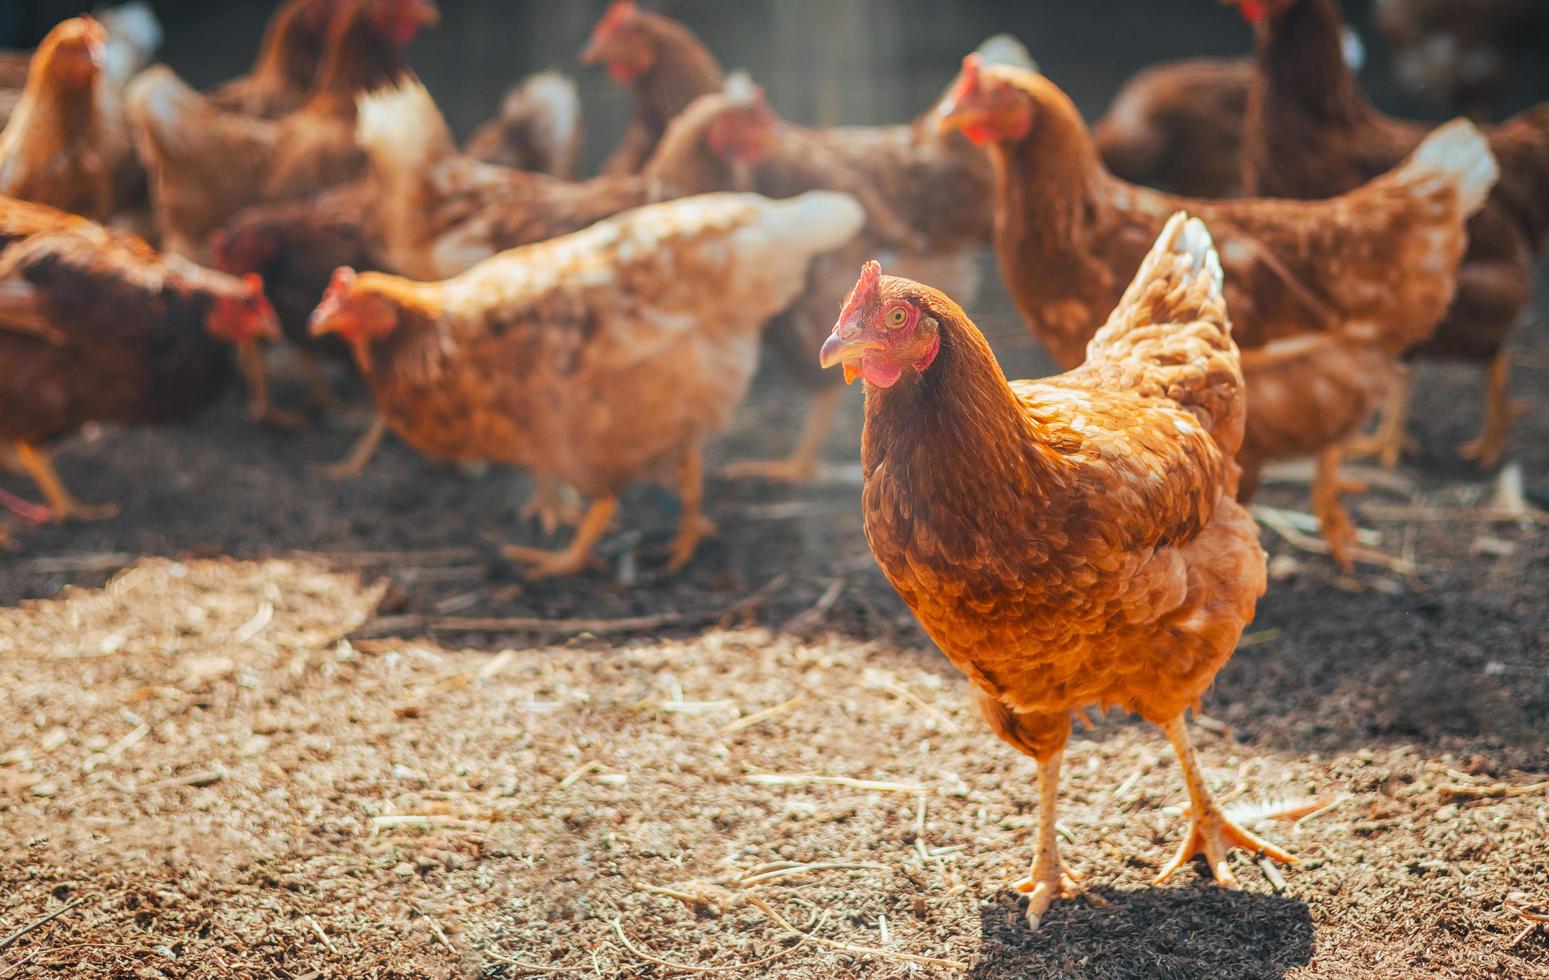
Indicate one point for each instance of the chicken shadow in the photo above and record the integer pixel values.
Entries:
(1201, 931)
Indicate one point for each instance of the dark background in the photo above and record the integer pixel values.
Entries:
(822, 61)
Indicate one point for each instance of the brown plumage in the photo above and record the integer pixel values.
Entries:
(1311, 133)
(665, 66)
(593, 358)
(59, 148)
(206, 164)
(1178, 127)
(287, 64)
(537, 128)
(96, 326)
(1325, 294)
(1072, 542)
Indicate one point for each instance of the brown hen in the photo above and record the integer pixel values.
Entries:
(1072, 542)
(1325, 294)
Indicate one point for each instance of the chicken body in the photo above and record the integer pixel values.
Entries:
(1072, 542)
(134, 34)
(666, 68)
(289, 57)
(537, 128)
(206, 164)
(64, 146)
(1311, 133)
(96, 326)
(1178, 127)
(1325, 294)
(592, 358)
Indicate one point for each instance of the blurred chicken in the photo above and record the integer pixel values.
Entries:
(206, 163)
(929, 198)
(289, 57)
(1177, 126)
(439, 211)
(1460, 53)
(134, 34)
(1325, 294)
(1069, 543)
(665, 66)
(538, 128)
(96, 326)
(591, 358)
(1311, 133)
(65, 146)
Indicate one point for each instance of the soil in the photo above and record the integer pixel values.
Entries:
(249, 731)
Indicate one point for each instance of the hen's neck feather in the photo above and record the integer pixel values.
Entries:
(957, 423)
(1302, 66)
(682, 70)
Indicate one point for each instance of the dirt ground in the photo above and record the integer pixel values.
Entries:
(255, 727)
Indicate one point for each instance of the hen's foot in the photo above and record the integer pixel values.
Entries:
(552, 505)
(1388, 450)
(1043, 886)
(1213, 834)
(360, 454)
(281, 418)
(62, 504)
(794, 469)
(694, 529)
(581, 553)
(544, 564)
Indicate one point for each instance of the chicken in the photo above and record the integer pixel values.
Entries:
(134, 34)
(1325, 294)
(538, 128)
(1311, 133)
(59, 148)
(439, 211)
(591, 358)
(665, 66)
(96, 326)
(1460, 52)
(206, 164)
(1072, 542)
(1178, 127)
(288, 60)
(929, 200)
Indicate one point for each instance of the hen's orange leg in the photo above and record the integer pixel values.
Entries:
(1327, 486)
(552, 504)
(360, 454)
(259, 408)
(1049, 878)
(802, 464)
(1490, 444)
(1391, 440)
(1210, 831)
(580, 553)
(64, 506)
(693, 525)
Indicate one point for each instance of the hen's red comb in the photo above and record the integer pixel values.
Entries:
(968, 81)
(867, 291)
(617, 14)
(1253, 11)
(343, 278)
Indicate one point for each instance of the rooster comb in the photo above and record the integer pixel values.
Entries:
(867, 290)
(343, 279)
(618, 13)
(969, 79)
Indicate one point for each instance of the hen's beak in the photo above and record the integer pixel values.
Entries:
(839, 349)
(955, 114)
(329, 317)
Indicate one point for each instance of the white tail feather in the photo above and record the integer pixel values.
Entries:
(401, 130)
(1005, 49)
(815, 222)
(1459, 154)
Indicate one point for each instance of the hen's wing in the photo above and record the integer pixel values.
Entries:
(1150, 421)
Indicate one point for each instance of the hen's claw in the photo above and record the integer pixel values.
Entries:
(792, 470)
(1213, 835)
(692, 530)
(544, 564)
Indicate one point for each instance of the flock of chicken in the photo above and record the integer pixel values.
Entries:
(1069, 543)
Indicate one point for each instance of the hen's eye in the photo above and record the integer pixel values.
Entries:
(896, 318)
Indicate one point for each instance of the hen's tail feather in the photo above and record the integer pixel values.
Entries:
(1005, 49)
(401, 129)
(546, 108)
(1457, 154)
(134, 35)
(1170, 337)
